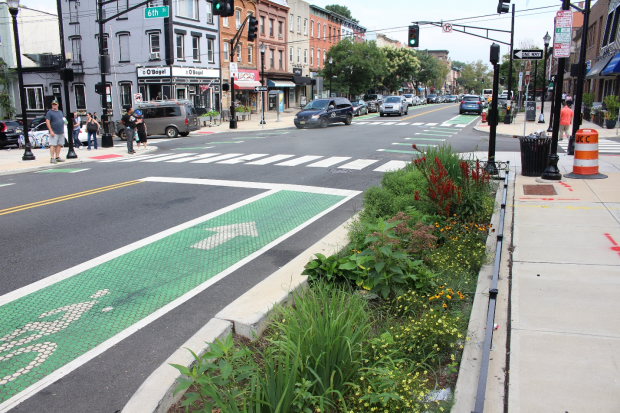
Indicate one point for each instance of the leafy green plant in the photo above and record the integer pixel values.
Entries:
(612, 104)
(587, 99)
(323, 267)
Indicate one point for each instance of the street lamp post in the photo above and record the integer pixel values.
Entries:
(14, 9)
(263, 48)
(330, 76)
(541, 118)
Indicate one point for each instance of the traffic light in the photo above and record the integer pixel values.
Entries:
(414, 36)
(224, 8)
(503, 6)
(482, 81)
(252, 28)
(98, 89)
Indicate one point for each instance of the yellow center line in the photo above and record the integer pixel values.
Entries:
(66, 197)
(430, 111)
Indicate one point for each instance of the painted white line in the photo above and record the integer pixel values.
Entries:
(271, 159)
(170, 157)
(244, 158)
(79, 170)
(218, 158)
(328, 162)
(441, 131)
(375, 123)
(431, 124)
(160, 140)
(445, 125)
(402, 123)
(7, 184)
(460, 125)
(83, 359)
(361, 123)
(194, 158)
(138, 158)
(417, 124)
(299, 161)
(359, 164)
(391, 166)
(380, 150)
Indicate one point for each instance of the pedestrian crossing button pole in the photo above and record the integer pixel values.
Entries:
(494, 59)
(263, 49)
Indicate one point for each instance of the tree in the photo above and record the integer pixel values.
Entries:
(402, 66)
(6, 82)
(429, 69)
(341, 10)
(472, 75)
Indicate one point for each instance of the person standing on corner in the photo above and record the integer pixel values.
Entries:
(92, 127)
(566, 117)
(77, 123)
(129, 122)
(55, 121)
(140, 129)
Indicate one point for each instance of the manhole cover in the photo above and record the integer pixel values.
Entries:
(539, 190)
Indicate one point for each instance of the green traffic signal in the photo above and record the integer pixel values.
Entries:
(414, 36)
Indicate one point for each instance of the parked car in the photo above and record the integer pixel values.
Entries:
(10, 133)
(36, 121)
(41, 129)
(470, 103)
(322, 112)
(394, 105)
(360, 108)
(416, 101)
(167, 117)
(373, 101)
(422, 100)
(409, 98)
(432, 98)
(451, 98)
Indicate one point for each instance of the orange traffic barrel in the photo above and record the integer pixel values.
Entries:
(585, 164)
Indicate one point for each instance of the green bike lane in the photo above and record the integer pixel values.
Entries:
(51, 327)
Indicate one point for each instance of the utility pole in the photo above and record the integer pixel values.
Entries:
(508, 119)
(494, 59)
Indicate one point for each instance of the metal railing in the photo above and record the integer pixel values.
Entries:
(488, 336)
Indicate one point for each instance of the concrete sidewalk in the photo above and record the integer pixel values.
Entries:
(564, 335)
(286, 121)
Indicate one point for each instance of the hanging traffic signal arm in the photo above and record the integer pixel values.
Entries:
(235, 40)
(103, 21)
(440, 24)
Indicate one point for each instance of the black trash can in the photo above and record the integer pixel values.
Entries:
(534, 155)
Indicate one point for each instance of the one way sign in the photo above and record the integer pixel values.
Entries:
(527, 54)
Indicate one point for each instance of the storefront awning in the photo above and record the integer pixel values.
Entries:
(613, 67)
(246, 84)
(302, 80)
(598, 67)
(280, 83)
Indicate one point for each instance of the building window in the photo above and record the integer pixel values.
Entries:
(180, 47)
(76, 49)
(250, 53)
(125, 94)
(34, 98)
(211, 52)
(607, 29)
(123, 41)
(311, 28)
(324, 31)
(291, 22)
(318, 57)
(318, 29)
(239, 59)
(196, 48)
(225, 21)
(305, 27)
(226, 52)
(330, 33)
(73, 14)
(209, 13)
(324, 57)
(290, 53)
(614, 28)
(338, 38)
(305, 56)
(271, 58)
(299, 55)
(154, 45)
(238, 18)
(271, 27)
(280, 59)
(279, 29)
(312, 56)
(187, 8)
(299, 24)
(262, 26)
(80, 97)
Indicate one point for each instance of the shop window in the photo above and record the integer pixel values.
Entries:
(210, 51)
(34, 98)
(196, 48)
(125, 94)
(80, 97)
(180, 46)
(187, 8)
(123, 42)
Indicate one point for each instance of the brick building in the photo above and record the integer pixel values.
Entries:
(596, 25)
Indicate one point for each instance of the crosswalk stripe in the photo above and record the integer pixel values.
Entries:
(299, 161)
(358, 164)
(271, 159)
(218, 158)
(244, 158)
(425, 139)
(141, 158)
(170, 157)
(194, 158)
(329, 161)
(361, 123)
(417, 123)
(460, 125)
(431, 124)
(402, 123)
(391, 166)
(375, 123)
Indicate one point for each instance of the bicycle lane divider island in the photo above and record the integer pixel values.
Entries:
(55, 325)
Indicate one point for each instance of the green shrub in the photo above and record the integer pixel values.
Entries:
(394, 195)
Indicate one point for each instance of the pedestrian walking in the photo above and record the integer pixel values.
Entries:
(563, 97)
(99, 122)
(129, 122)
(77, 121)
(566, 117)
(92, 127)
(140, 129)
(55, 121)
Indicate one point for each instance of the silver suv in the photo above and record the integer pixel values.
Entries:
(394, 105)
(166, 117)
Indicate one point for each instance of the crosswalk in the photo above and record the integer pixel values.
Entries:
(604, 146)
(397, 123)
(310, 161)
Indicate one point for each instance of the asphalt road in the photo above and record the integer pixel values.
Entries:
(56, 227)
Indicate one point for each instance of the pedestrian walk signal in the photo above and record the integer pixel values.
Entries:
(224, 8)
(414, 36)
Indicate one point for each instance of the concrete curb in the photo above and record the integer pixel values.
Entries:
(247, 316)
(477, 127)
(469, 372)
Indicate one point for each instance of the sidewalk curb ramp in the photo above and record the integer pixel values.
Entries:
(248, 316)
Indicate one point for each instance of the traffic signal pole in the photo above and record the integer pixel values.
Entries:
(491, 168)
(233, 47)
(508, 119)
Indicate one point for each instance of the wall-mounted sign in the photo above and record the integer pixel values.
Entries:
(297, 71)
(194, 72)
(246, 76)
(154, 71)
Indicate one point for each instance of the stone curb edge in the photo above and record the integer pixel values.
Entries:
(247, 315)
(469, 371)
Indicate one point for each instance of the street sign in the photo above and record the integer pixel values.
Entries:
(527, 54)
(520, 81)
(447, 27)
(563, 34)
(234, 69)
(137, 97)
(156, 12)
(528, 66)
(261, 88)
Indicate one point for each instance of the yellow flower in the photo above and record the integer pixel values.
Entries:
(445, 305)
(449, 297)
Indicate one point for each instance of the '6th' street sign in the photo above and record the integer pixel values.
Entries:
(156, 12)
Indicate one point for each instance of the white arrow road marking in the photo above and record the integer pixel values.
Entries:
(226, 233)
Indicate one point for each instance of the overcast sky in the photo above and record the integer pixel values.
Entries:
(393, 18)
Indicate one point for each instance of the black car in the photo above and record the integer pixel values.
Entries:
(322, 112)
(374, 102)
(360, 108)
(9, 133)
(432, 98)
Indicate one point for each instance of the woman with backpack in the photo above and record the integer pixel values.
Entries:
(92, 127)
(140, 128)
